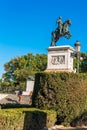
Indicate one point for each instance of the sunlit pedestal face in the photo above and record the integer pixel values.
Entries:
(60, 58)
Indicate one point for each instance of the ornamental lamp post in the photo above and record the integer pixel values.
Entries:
(77, 49)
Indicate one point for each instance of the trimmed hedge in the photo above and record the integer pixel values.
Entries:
(64, 92)
(26, 119)
(11, 105)
(80, 120)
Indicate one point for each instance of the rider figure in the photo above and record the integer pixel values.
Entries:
(61, 30)
(60, 24)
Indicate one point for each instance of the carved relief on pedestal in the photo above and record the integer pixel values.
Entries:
(58, 60)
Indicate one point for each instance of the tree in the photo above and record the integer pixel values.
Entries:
(82, 62)
(18, 69)
(41, 62)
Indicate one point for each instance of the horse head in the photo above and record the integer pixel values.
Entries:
(66, 25)
(68, 22)
(66, 32)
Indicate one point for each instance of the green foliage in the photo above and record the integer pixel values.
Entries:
(81, 120)
(18, 70)
(26, 118)
(10, 105)
(64, 92)
(84, 65)
(41, 62)
(82, 62)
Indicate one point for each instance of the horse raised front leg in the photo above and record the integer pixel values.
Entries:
(68, 35)
(53, 39)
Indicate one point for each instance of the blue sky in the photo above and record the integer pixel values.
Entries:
(26, 26)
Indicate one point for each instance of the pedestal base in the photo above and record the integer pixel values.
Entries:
(60, 70)
(60, 59)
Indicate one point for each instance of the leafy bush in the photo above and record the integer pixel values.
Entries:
(80, 120)
(26, 119)
(64, 92)
(10, 105)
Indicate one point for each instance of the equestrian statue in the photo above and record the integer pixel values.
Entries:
(61, 30)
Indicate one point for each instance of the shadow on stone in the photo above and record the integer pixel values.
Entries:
(11, 100)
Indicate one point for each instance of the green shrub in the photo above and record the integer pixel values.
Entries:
(26, 119)
(64, 92)
(81, 120)
(10, 105)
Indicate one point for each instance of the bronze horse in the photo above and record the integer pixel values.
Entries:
(65, 32)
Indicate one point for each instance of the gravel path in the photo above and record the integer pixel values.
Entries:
(3, 96)
(13, 98)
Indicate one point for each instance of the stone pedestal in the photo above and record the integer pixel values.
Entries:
(60, 58)
(30, 85)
